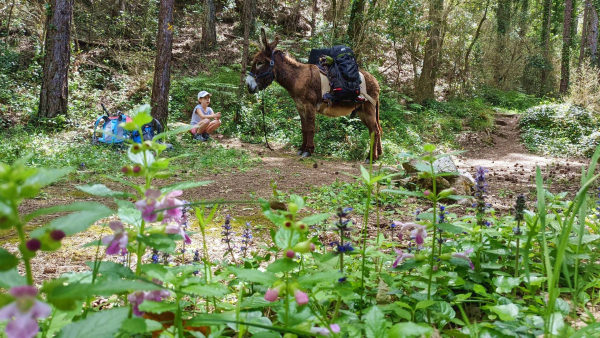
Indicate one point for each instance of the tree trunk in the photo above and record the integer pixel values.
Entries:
(426, 83)
(162, 64)
(313, 18)
(246, 18)
(356, 22)
(545, 45)
(503, 15)
(465, 72)
(54, 93)
(209, 31)
(10, 12)
(568, 23)
(334, 32)
(589, 34)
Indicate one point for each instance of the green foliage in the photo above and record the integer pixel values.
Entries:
(511, 100)
(560, 129)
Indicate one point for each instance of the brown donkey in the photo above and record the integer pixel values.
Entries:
(303, 82)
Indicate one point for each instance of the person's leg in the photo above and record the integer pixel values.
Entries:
(213, 125)
(200, 127)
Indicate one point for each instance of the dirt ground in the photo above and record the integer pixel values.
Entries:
(511, 171)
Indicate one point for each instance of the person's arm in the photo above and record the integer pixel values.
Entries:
(202, 116)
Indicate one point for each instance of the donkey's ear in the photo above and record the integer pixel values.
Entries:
(273, 44)
(264, 38)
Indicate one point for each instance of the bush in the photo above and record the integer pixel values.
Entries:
(512, 100)
(560, 129)
(585, 87)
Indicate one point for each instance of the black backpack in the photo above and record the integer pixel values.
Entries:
(343, 74)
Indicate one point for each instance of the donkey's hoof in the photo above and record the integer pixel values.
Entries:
(305, 154)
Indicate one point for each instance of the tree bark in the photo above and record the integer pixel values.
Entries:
(54, 93)
(10, 12)
(313, 18)
(334, 32)
(209, 31)
(356, 23)
(568, 23)
(162, 64)
(426, 84)
(503, 15)
(246, 18)
(545, 45)
(465, 72)
(589, 34)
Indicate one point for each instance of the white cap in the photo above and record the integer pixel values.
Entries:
(203, 94)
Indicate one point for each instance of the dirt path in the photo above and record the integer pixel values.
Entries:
(511, 167)
(511, 171)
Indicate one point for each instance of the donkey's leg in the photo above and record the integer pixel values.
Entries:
(368, 116)
(310, 117)
(303, 124)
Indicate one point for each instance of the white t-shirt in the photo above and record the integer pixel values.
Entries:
(196, 118)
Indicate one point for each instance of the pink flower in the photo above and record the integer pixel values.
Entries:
(401, 257)
(173, 206)
(272, 294)
(118, 241)
(426, 192)
(465, 255)
(139, 297)
(301, 297)
(148, 205)
(417, 232)
(335, 328)
(23, 312)
(175, 228)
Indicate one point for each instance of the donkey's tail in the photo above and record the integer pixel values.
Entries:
(377, 116)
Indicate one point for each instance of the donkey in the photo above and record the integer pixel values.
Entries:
(303, 83)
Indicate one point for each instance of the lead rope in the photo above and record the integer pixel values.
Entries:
(264, 120)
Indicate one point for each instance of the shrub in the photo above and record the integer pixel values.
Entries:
(585, 87)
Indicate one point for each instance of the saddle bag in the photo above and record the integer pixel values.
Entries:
(342, 72)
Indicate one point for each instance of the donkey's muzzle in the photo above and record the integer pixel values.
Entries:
(251, 84)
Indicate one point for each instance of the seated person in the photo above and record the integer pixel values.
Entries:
(204, 119)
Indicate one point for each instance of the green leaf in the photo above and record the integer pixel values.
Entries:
(183, 186)
(310, 279)
(507, 312)
(282, 238)
(409, 329)
(171, 132)
(254, 276)
(365, 175)
(505, 284)
(137, 325)
(253, 302)
(11, 278)
(103, 191)
(157, 307)
(315, 219)
(139, 157)
(46, 176)
(75, 222)
(112, 268)
(128, 213)
(403, 192)
(375, 323)
(141, 115)
(424, 304)
(7, 260)
(161, 242)
(211, 290)
(102, 287)
(105, 323)
(282, 265)
(77, 206)
(429, 148)
(451, 228)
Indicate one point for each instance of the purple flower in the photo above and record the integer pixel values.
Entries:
(175, 228)
(148, 205)
(118, 241)
(465, 255)
(272, 295)
(139, 297)
(323, 331)
(401, 257)
(301, 297)
(23, 312)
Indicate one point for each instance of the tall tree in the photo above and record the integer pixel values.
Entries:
(162, 63)
(503, 19)
(545, 45)
(54, 94)
(313, 17)
(209, 30)
(569, 22)
(465, 72)
(426, 83)
(355, 24)
(246, 19)
(589, 33)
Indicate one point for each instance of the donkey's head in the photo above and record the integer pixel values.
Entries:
(261, 69)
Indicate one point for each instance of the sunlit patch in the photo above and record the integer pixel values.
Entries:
(251, 83)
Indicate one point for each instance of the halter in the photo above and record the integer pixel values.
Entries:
(268, 72)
